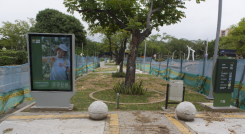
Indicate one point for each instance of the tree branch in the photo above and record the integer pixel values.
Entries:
(159, 8)
(149, 17)
(118, 22)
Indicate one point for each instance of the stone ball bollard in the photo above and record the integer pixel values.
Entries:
(98, 110)
(185, 111)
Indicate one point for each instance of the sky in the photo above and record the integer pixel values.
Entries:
(200, 21)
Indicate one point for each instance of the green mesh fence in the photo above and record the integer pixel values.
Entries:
(14, 81)
(198, 81)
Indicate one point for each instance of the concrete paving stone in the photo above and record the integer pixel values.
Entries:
(129, 122)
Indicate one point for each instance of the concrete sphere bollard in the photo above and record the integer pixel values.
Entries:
(98, 110)
(185, 111)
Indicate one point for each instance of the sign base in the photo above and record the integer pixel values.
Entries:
(38, 109)
(222, 99)
(52, 99)
(219, 109)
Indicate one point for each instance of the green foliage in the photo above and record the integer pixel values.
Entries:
(102, 59)
(13, 34)
(22, 57)
(92, 48)
(119, 74)
(235, 39)
(136, 89)
(19, 57)
(53, 21)
(7, 60)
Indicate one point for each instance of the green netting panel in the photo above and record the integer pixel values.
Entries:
(82, 70)
(174, 75)
(207, 86)
(190, 81)
(201, 80)
(234, 94)
(162, 74)
(13, 98)
(154, 71)
(141, 67)
(242, 97)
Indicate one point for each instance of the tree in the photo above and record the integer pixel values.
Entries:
(14, 34)
(137, 16)
(92, 47)
(211, 46)
(115, 44)
(105, 32)
(53, 21)
(235, 39)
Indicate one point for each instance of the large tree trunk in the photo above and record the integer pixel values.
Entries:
(130, 73)
(137, 38)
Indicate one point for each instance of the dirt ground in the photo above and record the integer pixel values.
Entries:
(100, 81)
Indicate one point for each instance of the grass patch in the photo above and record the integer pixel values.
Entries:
(100, 84)
(110, 95)
(81, 100)
(107, 74)
(106, 69)
(93, 74)
(144, 75)
(111, 64)
(94, 82)
(163, 84)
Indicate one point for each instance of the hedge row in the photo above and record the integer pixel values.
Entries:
(13, 57)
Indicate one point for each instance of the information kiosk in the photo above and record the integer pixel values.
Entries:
(52, 73)
(224, 77)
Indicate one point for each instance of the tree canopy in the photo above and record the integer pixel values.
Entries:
(53, 21)
(137, 16)
(14, 34)
(235, 38)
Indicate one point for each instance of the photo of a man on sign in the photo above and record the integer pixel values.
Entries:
(59, 64)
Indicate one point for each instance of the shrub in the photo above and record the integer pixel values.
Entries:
(119, 74)
(18, 57)
(7, 60)
(21, 57)
(102, 59)
(111, 61)
(136, 89)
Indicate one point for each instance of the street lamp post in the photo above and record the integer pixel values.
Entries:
(210, 96)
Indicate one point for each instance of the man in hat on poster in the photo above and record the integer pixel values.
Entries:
(59, 65)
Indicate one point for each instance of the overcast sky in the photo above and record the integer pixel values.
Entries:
(200, 21)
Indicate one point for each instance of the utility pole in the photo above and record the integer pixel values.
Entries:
(210, 95)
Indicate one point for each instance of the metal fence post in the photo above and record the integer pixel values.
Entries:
(151, 61)
(204, 59)
(159, 63)
(167, 69)
(87, 62)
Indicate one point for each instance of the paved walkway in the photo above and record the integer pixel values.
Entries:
(133, 122)
(120, 122)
